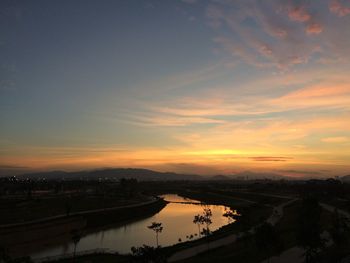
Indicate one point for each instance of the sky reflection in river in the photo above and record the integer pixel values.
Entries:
(176, 219)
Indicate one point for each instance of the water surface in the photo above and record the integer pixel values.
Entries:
(176, 219)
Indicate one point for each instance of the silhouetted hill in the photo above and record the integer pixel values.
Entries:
(346, 178)
(112, 173)
(248, 175)
(220, 177)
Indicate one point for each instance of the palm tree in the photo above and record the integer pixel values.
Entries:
(157, 228)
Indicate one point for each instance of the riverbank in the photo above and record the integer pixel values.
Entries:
(19, 209)
(91, 257)
(257, 214)
(21, 239)
(245, 250)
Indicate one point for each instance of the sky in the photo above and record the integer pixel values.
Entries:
(190, 86)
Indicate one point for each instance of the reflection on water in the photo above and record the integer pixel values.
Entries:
(176, 219)
(179, 199)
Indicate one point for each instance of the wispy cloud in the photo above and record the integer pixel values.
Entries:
(270, 159)
(299, 13)
(274, 33)
(314, 28)
(12, 167)
(338, 8)
(339, 139)
(274, 94)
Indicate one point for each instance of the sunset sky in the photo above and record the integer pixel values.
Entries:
(188, 86)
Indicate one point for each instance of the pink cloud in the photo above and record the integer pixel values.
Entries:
(276, 43)
(299, 14)
(314, 28)
(337, 8)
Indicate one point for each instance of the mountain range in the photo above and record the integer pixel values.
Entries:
(112, 173)
(150, 175)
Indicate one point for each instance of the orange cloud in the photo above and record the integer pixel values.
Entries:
(299, 14)
(336, 139)
(314, 28)
(337, 8)
(336, 95)
(270, 158)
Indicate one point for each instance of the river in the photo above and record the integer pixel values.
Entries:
(176, 219)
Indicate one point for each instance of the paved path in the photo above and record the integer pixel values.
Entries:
(195, 250)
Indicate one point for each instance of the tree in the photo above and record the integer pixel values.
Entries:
(68, 207)
(146, 254)
(206, 219)
(230, 215)
(309, 232)
(4, 256)
(207, 214)
(75, 238)
(267, 239)
(198, 220)
(340, 235)
(128, 186)
(157, 228)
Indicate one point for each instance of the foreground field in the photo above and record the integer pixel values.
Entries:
(246, 250)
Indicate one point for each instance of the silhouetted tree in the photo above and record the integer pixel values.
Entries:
(4, 256)
(267, 239)
(206, 219)
(128, 186)
(198, 220)
(157, 228)
(75, 238)
(340, 235)
(147, 254)
(309, 231)
(207, 214)
(230, 215)
(68, 207)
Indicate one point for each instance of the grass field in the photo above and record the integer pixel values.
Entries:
(246, 251)
(22, 210)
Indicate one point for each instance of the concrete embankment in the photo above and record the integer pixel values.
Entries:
(123, 214)
(23, 238)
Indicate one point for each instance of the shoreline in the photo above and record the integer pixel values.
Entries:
(51, 232)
